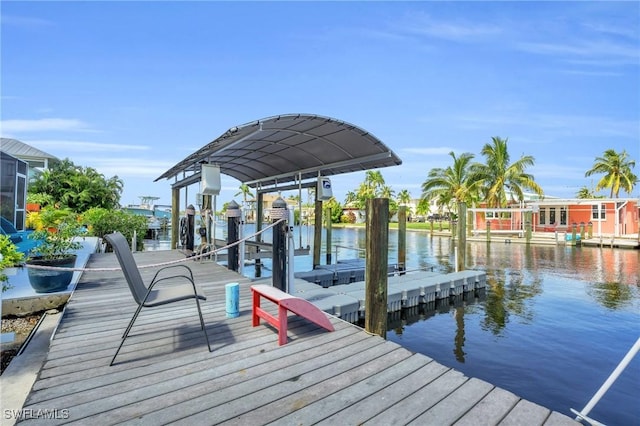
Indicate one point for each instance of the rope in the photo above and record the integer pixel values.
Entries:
(155, 265)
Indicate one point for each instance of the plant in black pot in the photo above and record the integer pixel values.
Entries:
(55, 250)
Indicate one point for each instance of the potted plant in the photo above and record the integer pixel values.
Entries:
(37, 200)
(56, 249)
(10, 257)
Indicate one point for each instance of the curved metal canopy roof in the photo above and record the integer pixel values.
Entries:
(289, 147)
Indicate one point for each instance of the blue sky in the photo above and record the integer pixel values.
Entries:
(131, 88)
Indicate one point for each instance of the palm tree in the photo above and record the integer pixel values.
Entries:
(245, 191)
(617, 172)
(498, 175)
(387, 192)
(374, 181)
(372, 187)
(457, 182)
(423, 207)
(350, 198)
(584, 193)
(404, 197)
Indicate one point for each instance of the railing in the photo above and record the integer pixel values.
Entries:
(584, 413)
(337, 246)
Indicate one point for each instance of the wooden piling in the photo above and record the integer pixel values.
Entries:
(175, 217)
(233, 235)
(317, 233)
(279, 245)
(402, 239)
(377, 243)
(528, 217)
(462, 237)
(259, 220)
(327, 221)
(191, 229)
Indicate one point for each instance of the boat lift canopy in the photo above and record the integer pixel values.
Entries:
(286, 148)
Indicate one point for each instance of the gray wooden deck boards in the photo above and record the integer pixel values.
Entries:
(165, 374)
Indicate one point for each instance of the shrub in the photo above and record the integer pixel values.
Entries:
(76, 187)
(49, 217)
(349, 217)
(9, 257)
(101, 221)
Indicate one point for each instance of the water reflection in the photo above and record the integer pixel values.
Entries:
(611, 295)
(457, 305)
(555, 322)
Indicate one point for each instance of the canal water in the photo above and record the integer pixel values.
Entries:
(553, 323)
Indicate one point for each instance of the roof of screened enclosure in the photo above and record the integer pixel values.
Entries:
(284, 148)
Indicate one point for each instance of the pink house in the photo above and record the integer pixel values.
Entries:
(606, 216)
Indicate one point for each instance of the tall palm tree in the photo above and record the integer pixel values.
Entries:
(245, 191)
(404, 197)
(387, 192)
(374, 181)
(499, 176)
(617, 172)
(456, 182)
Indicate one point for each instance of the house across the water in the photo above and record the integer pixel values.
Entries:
(617, 217)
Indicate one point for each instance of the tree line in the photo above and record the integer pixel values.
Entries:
(496, 182)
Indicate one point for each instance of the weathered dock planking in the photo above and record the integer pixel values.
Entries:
(165, 374)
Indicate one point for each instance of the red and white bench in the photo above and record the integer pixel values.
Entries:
(285, 302)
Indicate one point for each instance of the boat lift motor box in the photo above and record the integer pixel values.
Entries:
(324, 188)
(210, 179)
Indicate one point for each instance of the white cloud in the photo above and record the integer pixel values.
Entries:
(43, 125)
(424, 25)
(598, 49)
(79, 146)
(127, 167)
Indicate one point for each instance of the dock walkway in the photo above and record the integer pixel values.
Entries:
(165, 374)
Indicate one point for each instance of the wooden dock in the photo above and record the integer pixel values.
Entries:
(609, 241)
(165, 374)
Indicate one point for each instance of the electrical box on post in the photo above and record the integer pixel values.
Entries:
(210, 179)
(324, 191)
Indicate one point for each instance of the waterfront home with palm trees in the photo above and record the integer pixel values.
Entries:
(616, 217)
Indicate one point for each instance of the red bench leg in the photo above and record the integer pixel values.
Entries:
(255, 319)
(282, 327)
